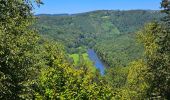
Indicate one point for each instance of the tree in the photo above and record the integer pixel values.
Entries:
(137, 80)
(61, 80)
(156, 40)
(18, 44)
(166, 5)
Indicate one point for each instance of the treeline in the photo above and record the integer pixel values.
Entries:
(33, 67)
(110, 33)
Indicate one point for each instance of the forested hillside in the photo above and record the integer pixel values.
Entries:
(110, 33)
(45, 57)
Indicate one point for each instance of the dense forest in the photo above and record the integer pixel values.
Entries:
(110, 33)
(44, 57)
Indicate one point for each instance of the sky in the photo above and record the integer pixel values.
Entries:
(79, 6)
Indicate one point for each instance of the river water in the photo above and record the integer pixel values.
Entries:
(97, 62)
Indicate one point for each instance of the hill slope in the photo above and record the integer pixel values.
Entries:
(110, 33)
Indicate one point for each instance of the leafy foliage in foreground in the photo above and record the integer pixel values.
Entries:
(157, 52)
(17, 47)
(34, 68)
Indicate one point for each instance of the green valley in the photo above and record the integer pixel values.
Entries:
(111, 33)
(96, 55)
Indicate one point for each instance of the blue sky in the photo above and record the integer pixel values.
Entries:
(78, 6)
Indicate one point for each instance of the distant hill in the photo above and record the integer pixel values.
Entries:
(111, 33)
(52, 15)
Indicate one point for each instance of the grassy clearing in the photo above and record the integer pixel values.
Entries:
(75, 58)
(87, 61)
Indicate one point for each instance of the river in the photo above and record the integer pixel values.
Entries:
(97, 62)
